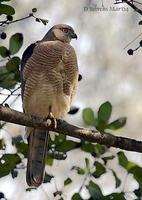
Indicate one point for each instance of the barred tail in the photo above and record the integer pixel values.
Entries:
(38, 142)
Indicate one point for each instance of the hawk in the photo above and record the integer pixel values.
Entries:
(49, 77)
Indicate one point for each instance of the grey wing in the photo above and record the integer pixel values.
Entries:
(26, 55)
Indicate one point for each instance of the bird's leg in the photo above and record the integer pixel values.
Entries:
(52, 122)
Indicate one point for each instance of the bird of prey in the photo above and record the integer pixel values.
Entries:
(49, 77)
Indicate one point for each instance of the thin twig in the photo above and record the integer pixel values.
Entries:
(6, 22)
(133, 40)
(15, 99)
(131, 5)
(83, 183)
(137, 2)
(10, 94)
(88, 175)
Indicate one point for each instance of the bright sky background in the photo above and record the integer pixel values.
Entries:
(109, 74)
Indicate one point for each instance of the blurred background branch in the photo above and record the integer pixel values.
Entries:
(131, 4)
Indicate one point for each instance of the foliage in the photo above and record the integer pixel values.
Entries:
(101, 119)
(61, 145)
(8, 163)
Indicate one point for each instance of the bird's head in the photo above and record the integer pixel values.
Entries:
(61, 32)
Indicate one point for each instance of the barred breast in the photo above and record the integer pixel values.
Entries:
(51, 78)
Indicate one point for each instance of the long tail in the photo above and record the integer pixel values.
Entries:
(38, 142)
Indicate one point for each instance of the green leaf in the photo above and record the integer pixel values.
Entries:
(87, 162)
(57, 155)
(79, 170)
(88, 116)
(6, 9)
(123, 161)
(66, 146)
(3, 72)
(119, 123)
(99, 149)
(114, 196)
(104, 114)
(15, 43)
(7, 163)
(61, 144)
(117, 180)
(47, 178)
(76, 196)
(7, 79)
(67, 181)
(13, 64)
(17, 76)
(57, 141)
(3, 51)
(100, 169)
(8, 84)
(95, 149)
(44, 21)
(87, 147)
(106, 158)
(131, 167)
(49, 161)
(136, 171)
(94, 191)
(22, 148)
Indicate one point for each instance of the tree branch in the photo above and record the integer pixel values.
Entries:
(13, 116)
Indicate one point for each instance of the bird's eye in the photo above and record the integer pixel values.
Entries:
(65, 30)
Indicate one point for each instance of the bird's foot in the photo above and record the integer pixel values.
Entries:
(51, 121)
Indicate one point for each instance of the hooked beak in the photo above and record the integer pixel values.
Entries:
(73, 36)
